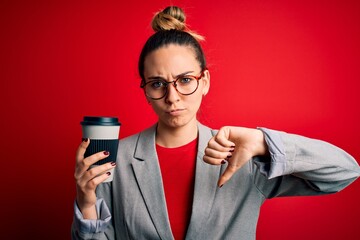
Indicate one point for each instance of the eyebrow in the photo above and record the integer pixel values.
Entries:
(161, 78)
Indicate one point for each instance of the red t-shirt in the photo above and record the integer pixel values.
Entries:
(178, 174)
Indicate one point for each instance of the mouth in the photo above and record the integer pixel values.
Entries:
(175, 111)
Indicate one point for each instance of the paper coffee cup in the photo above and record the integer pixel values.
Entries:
(103, 133)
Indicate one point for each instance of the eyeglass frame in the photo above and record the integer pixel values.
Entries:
(143, 84)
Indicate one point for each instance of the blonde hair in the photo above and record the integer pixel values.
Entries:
(171, 18)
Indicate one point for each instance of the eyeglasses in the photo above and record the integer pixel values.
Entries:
(184, 84)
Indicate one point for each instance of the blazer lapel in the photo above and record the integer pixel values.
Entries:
(205, 186)
(148, 175)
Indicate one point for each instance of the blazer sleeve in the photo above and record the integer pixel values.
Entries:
(301, 166)
(101, 228)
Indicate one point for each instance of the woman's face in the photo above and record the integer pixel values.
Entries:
(175, 110)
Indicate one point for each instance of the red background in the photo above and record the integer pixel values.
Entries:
(289, 65)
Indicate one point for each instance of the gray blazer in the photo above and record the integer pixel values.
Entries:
(133, 206)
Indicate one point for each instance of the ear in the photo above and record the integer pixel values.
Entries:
(206, 82)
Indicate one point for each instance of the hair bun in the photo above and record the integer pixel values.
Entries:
(172, 18)
(168, 19)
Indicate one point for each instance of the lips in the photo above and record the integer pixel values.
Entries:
(175, 111)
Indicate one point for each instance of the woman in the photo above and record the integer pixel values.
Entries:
(180, 179)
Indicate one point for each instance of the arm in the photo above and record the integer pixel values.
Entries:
(92, 215)
(283, 164)
(302, 166)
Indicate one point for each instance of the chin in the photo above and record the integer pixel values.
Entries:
(176, 122)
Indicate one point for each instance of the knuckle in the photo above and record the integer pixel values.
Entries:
(217, 137)
(92, 184)
(207, 151)
(86, 166)
(92, 171)
(212, 145)
(85, 162)
(93, 159)
(223, 129)
(80, 185)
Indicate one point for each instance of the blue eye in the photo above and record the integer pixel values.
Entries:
(157, 84)
(185, 80)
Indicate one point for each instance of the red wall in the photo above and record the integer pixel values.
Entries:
(289, 65)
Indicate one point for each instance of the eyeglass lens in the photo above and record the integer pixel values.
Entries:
(185, 85)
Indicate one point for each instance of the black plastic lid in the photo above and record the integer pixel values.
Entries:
(102, 121)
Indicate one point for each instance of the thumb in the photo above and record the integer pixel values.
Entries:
(228, 173)
(239, 159)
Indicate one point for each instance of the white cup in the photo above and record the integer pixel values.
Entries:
(103, 133)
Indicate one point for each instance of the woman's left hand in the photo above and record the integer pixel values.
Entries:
(235, 145)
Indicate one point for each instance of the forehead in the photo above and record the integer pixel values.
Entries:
(171, 59)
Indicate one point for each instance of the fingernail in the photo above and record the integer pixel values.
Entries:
(232, 146)
(85, 139)
(108, 173)
(106, 153)
(221, 185)
(229, 156)
(232, 150)
(223, 162)
(113, 163)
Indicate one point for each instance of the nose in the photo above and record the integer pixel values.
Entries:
(172, 95)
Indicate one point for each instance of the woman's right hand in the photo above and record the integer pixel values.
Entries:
(88, 179)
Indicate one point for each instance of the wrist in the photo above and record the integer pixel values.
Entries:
(89, 212)
(261, 147)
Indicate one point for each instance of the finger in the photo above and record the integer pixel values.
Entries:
(94, 182)
(217, 154)
(90, 160)
(94, 172)
(216, 146)
(99, 179)
(82, 149)
(238, 159)
(213, 161)
(228, 173)
(84, 165)
(222, 137)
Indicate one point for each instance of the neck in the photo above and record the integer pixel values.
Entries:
(176, 136)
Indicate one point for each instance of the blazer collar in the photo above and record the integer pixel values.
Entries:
(206, 176)
(148, 175)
